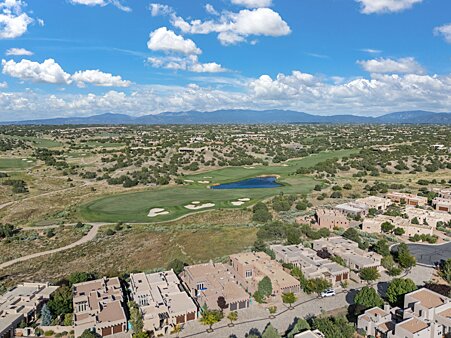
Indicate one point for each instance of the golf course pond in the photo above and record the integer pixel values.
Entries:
(251, 183)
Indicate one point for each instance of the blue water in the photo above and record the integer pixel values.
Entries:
(251, 183)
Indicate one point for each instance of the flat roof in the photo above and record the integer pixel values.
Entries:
(414, 325)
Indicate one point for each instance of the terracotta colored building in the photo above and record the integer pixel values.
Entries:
(98, 307)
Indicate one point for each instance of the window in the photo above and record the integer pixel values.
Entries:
(200, 286)
(248, 273)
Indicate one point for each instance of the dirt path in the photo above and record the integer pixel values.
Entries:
(89, 237)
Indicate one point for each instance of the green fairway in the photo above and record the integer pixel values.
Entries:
(134, 207)
(15, 163)
(39, 142)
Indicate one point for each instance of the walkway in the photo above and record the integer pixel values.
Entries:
(88, 237)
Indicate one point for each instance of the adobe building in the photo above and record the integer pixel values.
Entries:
(251, 267)
(331, 219)
(311, 265)
(162, 301)
(98, 307)
(207, 282)
(22, 303)
(425, 314)
(408, 199)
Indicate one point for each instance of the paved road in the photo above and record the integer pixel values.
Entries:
(89, 237)
(429, 254)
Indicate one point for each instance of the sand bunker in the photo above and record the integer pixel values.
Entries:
(157, 212)
(195, 202)
(249, 167)
(245, 199)
(240, 201)
(203, 182)
(189, 181)
(199, 206)
(237, 203)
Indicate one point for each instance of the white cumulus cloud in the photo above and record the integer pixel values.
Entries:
(51, 72)
(233, 28)
(14, 21)
(98, 78)
(253, 3)
(18, 52)
(47, 72)
(444, 31)
(163, 39)
(402, 65)
(189, 63)
(386, 6)
(116, 3)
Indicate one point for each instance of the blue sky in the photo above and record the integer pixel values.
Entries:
(86, 57)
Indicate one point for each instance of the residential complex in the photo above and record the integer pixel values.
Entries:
(428, 217)
(162, 300)
(251, 267)
(207, 282)
(375, 202)
(354, 257)
(443, 201)
(23, 303)
(311, 265)
(373, 225)
(426, 314)
(98, 307)
(353, 209)
(331, 219)
(408, 199)
(442, 204)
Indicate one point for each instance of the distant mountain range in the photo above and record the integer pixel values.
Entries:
(245, 117)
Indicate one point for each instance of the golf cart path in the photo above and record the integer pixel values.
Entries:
(87, 238)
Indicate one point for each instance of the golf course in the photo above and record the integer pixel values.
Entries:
(171, 202)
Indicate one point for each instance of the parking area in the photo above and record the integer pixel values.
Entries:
(430, 254)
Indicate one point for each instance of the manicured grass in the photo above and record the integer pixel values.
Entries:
(104, 144)
(134, 207)
(39, 142)
(15, 163)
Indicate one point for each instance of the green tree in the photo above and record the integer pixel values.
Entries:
(265, 287)
(445, 270)
(46, 316)
(89, 334)
(389, 264)
(317, 285)
(80, 277)
(270, 332)
(299, 326)
(293, 236)
(399, 231)
(211, 317)
(382, 248)
(177, 265)
(60, 302)
(141, 334)
(232, 316)
(368, 297)
(136, 318)
(405, 259)
(369, 274)
(261, 213)
(289, 298)
(334, 327)
(397, 288)
(387, 227)
(68, 319)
